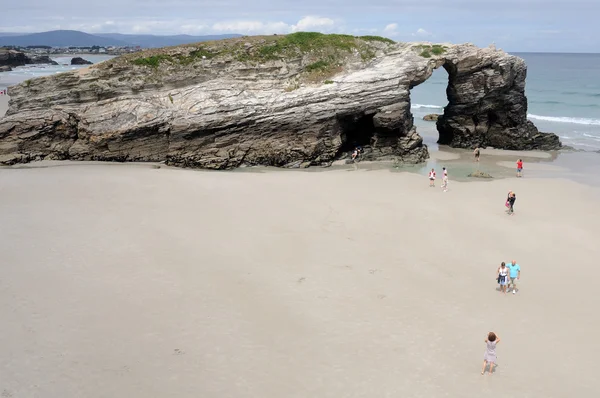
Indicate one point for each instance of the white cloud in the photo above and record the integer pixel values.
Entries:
(422, 33)
(393, 27)
(391, 30)
(314, 23)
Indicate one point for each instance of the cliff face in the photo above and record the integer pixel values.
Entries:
(278, 100)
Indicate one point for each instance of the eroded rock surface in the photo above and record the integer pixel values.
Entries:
(250, 101)
(80, 61)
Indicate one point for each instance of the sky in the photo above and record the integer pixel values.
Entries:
(513, 25)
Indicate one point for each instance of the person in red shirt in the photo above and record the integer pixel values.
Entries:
(432, 178)
(520, 168)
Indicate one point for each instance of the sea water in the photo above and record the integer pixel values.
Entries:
(563, 92)
(21, 73)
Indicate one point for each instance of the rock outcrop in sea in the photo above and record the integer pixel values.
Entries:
(305, 98)
(80, 61)
(12, 58)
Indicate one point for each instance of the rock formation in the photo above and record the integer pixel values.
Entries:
(40, 59)
(5, 68)
(15, 58)
(304, 98)
(487, 105)
(80, 61)
(12, 58)
(432, 117)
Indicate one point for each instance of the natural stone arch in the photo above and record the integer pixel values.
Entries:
(224, 112)
(486, 104)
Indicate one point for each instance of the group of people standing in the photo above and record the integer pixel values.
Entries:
(432, 177)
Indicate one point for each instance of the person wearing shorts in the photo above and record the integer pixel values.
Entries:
(514, 274)
(502, 276)
(477, 152)
(432, 178)
(520, 168)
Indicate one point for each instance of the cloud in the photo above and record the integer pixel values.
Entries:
(422, 33)
(391, 30)
(314, 23)
(250, 27)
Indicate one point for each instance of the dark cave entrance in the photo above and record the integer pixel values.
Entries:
(430, 97)
(356, 130)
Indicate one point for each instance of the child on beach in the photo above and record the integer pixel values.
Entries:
(490, 352)
(432, 178)
(477, 152)
(520, 168)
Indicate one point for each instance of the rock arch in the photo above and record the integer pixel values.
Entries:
(487, 105)
(225, 113)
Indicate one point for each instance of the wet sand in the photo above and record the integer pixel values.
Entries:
(129, 281)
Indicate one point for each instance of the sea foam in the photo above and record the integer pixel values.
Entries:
(561, 119)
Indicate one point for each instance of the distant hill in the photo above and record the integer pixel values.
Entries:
(60, 38)
(152, 41)
(74, 38)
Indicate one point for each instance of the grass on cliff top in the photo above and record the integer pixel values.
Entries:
(267, 48)
(427, 50)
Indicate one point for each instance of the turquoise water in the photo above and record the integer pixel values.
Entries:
(563, 92)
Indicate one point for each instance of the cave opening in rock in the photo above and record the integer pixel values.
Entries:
(428, 100)
(355, 130)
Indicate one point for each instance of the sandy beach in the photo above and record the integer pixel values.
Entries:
(3, 104)
(131, 281)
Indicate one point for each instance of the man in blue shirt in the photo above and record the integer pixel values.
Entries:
(514, 275)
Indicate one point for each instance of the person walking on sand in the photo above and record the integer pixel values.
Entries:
(510, 202)
(520, 168)
(514, 273)
(445, 179)
(432, 178)
(502, 276)
(512, 197)
(476, 153)
(490, 352)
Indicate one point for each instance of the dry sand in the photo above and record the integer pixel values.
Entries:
(3, 104)
(129, 281)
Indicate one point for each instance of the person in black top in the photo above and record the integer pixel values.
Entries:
(511, 202)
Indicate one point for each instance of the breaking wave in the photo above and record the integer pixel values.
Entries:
(572, 120)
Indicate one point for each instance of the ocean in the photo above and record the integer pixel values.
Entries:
(22, 73)
(563, 92)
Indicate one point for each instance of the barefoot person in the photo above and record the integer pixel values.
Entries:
(502, 276)
(514, 270)
(445, 179)
(520, 168)
(490, 352)
(432, 178)
(476, 153)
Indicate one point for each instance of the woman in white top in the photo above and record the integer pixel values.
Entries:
(502, 276)
(445, 180)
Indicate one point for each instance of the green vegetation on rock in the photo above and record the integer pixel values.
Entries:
(377, 38)
(153, 60)
(427, 50)
(328, 82)
(323, 54)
